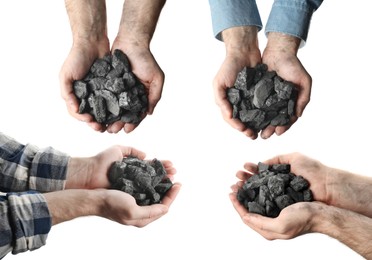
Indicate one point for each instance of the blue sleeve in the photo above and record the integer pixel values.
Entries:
(292, 17)
(25, 222)
(230, 13)
(26, 167)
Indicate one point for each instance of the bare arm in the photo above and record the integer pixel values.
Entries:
(139, 19)
(350, 191)
(89, 32)
(242, 50)
(350, 228)
(280, 55)
(87, 19)
(137, 27)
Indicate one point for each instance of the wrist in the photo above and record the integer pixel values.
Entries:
(280, 42)
(321, 221)
(131, 40)
(334, 186)
(90, 44)
(78, 173)
(70, 204)
(241, 39)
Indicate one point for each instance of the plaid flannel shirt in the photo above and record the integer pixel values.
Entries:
(25, 173)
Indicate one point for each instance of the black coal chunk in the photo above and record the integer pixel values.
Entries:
(146, 181)
(111, 92)
(260, 98)
(272, 189)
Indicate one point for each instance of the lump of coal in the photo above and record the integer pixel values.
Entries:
(272, 189)
(260, 98)
(146, 181)
(110, 92)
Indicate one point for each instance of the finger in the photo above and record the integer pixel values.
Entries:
(242, 175)
(155, 92)
(171, 195)
(130, 151)
(97, 126)
(144, 215)
(168, 165)
(251, 167)
(280, 159)
(250, 133)
(247, 217)
(129, 128)
(270, 228)
(70, 99)
(259, 229)
(72, 105)
(235, 188)
(225, 107)
(242, 211)
(279, 130)
(268, 132)
(303, 97)
(115, 127)
(226, 112)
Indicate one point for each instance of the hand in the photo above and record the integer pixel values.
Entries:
(312, 170)
(77, 64)
(147, 70)
(293, 221)
(309, 217)
(92, 172)
(241, 50)
(111, 204)
(280, 55)
(122, 208)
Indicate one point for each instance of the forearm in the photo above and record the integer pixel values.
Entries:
(350, 191)
(139, 20)
(352, 229)
(87, 19)
(70, 204)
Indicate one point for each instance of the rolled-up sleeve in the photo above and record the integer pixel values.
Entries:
(25, 222)
(231, 13)
(25, 172)
(292, 17)
(26, 167)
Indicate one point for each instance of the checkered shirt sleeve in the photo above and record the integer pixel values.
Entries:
(25, 222)
(25, 172)
(26, 167)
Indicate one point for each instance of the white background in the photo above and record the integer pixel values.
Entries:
(187, 127)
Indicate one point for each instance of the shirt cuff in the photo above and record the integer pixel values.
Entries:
(290, 17)
(226, 14)
(48, 170)
(30, 220)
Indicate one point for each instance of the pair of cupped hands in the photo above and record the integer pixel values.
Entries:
(280, 55)
(81, 57)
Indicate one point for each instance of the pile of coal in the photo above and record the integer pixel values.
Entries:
(110, 91)
(260, 98)
(146, 181)
(273, 189)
